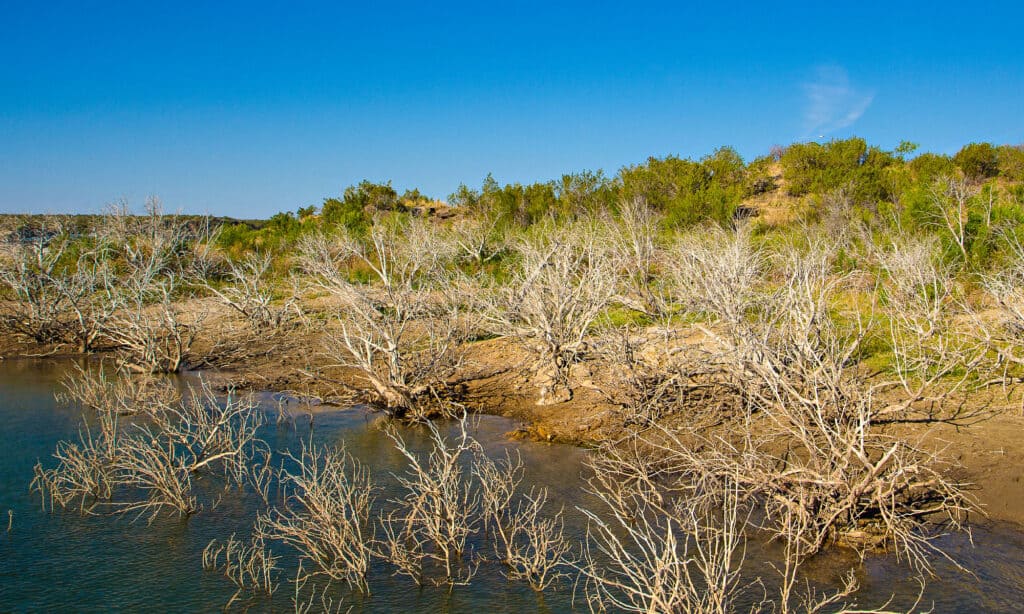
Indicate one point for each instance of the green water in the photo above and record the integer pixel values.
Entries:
(65, 561)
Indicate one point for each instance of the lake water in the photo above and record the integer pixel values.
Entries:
(65, 561)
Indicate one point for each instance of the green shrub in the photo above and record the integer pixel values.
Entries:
(978, 160)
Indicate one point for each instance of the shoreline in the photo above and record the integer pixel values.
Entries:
(987, 455)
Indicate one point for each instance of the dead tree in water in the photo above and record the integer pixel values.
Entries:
(439, 510)
(326, 514)
(528, 539)
(147, 466)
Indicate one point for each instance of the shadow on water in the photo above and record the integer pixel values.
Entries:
(66, 561)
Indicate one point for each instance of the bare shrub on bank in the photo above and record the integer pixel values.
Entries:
(565, 280)
(1006, 286)
(151, 331)
(400, 331)
(248, 292)
(719, 274)
(56, 287)
(933, 358)
(817, 455)
(479, 238)
(633, 235)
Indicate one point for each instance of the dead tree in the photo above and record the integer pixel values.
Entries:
(248, 293)
(146, 467)
(150, 330)
(933, 356)
(951, 200)
(648, 551)
(564, 282)
(401, 331)
(439, 510)
(325, 515)
(842, 478)
(529, 540)
(1006, 286)
(44, 284)
(250, 566)
(633, 235)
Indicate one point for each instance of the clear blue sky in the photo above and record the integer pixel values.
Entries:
(249, 108)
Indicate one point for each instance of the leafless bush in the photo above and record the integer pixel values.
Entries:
(85, 470)
(121, 395)
(533, 542)
(248, 293)
(643, 377)
(1006, 286)
(325, 515)
(150, 331)
(439, 511)
(718, 273)
(666, 534)
(633, 236)
(147, 467)
(478, 238)
(951, 198)
(818, 455)
(647, 551)
(400, 332)
(313, 601)
(250, 566)
(565, 280)
(926, 320)
(528, 540)
(56, 293)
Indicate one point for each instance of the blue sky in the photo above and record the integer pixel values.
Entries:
(250, 108)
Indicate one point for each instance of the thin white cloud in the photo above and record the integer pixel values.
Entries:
(833, 103)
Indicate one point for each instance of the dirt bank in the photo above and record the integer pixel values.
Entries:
(495, 379)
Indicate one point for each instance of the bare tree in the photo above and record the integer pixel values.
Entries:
(633, 234)
(1006, 286)
(248, 292)
(478, 237)
(647, 551)
(150, 330)
(565, 280)
(147, 467)
(401, 331)
(718, 273)
(326, 514)
(52, 293)
(933, 358)
(951, 198)
(439, 511)
(250, 566)
(529, 540)
(843, 479)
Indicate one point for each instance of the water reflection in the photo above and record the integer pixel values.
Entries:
(66, 561)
